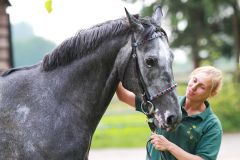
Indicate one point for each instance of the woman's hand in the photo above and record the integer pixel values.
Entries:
(160, 142)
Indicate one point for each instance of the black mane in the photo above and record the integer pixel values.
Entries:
(11, 70)
(83, 42)
(87, 40)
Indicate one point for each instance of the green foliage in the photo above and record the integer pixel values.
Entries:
(226, 105)
(209, 27)
(48, 5)
(181, 89)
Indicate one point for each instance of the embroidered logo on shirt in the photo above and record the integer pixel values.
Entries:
(190, 130)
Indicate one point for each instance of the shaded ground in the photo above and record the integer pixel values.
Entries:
(229, 151)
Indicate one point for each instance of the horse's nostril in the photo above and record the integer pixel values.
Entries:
(171, 119)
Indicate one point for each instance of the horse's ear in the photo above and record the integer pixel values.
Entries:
(134, 22)
(157, 15)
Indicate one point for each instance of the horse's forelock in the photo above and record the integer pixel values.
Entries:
(149, 26)
(152, 27)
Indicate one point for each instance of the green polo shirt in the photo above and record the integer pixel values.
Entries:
(199, 134)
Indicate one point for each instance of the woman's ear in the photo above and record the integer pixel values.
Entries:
(213, 93)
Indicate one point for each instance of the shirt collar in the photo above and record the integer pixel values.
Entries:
(203, 115)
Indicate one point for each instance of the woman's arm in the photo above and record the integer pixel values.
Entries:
(125, 95)
(161, 143)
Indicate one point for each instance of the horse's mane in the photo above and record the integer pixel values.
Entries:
(11, 70)
(83, 42)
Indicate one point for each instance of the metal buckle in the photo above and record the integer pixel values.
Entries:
(151, 110)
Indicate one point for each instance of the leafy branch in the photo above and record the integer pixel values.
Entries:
(48, 5)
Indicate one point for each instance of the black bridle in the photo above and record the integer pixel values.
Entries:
(147, 97)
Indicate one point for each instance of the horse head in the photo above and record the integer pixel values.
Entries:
(147, 70)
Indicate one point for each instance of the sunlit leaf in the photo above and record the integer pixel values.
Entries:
(48, 5)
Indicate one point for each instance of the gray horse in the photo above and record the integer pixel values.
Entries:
(50, 111)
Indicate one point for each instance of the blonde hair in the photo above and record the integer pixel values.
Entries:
(214, 73)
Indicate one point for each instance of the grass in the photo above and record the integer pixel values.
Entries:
(121, 126)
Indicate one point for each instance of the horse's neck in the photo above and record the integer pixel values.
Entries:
(91, 81)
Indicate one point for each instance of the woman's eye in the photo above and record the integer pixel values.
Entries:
(150, 62)
(194, 80)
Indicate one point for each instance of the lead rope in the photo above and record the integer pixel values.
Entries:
(162, 154)
(149, 157)
(152, 127)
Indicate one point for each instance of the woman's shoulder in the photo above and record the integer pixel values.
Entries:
(212, 122)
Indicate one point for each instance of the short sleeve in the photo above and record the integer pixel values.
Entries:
(138, 102)
(209, 144)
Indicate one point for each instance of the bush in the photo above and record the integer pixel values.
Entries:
(226, 105)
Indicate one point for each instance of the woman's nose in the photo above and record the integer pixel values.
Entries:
(194, 87)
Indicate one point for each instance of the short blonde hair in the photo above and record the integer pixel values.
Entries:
(214, 73)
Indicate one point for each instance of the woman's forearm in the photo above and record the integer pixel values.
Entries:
(180, 154)
(125, 95)
(163, 144)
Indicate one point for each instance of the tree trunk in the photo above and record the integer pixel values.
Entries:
(196, 59)
(236, 34)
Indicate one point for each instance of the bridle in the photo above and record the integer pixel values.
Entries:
(146, 96)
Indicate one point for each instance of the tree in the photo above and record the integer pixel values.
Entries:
(210, 29)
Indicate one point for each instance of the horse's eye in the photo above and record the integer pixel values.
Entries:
(151, 62)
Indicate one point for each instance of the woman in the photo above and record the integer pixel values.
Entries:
(199, 134)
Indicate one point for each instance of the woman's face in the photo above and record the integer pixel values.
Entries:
(199, 87)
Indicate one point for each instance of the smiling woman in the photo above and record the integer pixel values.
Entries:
(199, 134)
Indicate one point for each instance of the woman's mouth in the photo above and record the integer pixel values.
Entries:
(190, 93)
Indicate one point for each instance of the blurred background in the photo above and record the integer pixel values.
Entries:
(200, 33)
